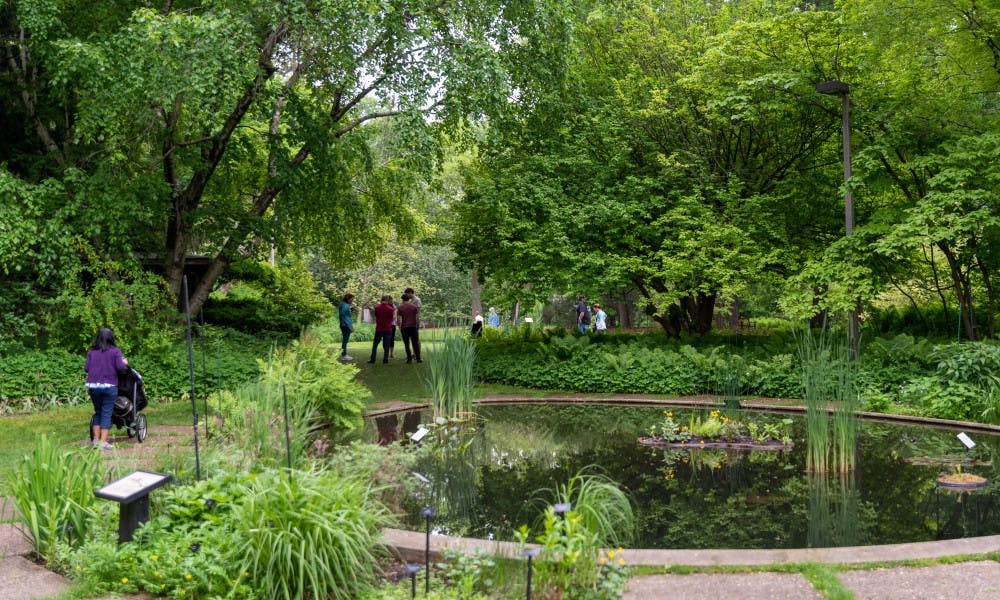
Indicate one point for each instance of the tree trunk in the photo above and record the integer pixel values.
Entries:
(963, 292)
(693, 314)
(477, 301)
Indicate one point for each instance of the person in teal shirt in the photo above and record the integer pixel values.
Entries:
(346, 323)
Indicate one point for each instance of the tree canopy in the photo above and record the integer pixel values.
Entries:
(214, 127)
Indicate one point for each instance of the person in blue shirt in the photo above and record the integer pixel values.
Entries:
(346, 324)
(493, 319)
(600, 319)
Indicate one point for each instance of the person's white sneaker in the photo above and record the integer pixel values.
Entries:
(107, 446)
(95, 443)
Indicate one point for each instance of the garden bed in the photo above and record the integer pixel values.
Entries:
(737, 443)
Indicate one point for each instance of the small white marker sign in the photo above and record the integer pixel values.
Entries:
(419, 434)
(966, 440)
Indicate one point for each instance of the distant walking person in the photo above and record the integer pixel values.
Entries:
(104, 363)
(582, 314)
(477, 325)
(409, 323)
(385, 315)
(415, 299)
(600, 319)
(346, 325)
(493, 318)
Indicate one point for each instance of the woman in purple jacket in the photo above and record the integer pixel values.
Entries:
(104, 363)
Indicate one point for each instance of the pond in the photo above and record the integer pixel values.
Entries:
(708, 498)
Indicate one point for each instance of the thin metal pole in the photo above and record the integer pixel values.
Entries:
(288, 437)
(427, 557)
(528, 593)
(853, 328)
(204, 371)
(194, 404)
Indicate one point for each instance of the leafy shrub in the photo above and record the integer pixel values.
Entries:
(185, 551)
(309, 372)
(129, 300)
(310, 534)
(54, 493)
(253, 422)
(281, 299)
(633, 365)
(329, 332)
(468, 574)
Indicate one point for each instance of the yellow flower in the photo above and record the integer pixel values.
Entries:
(603, 561)
(620, 550)
(621, 562)
(187, 577)
(153, 557)
(124, 579)
(163, 586)
(611, 554)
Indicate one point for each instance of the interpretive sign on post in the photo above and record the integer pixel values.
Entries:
(132, 494)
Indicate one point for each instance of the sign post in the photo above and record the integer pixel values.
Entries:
(132, 495)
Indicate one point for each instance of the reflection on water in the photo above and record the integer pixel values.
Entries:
(711, 498)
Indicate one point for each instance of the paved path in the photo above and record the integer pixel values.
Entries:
(975, 580)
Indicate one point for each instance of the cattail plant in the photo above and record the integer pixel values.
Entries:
(452, 376)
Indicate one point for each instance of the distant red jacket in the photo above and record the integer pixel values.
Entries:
(384, 316)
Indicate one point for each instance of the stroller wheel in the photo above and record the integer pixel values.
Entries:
(140, 427)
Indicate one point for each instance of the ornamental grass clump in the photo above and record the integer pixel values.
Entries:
(316, 535)
(54, 493)
(452, 376)
(571, 563)
(829, 382)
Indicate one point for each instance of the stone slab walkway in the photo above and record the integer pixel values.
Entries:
(975, 580)
(728, 586)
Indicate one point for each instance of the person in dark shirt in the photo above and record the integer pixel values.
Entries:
(104, 363)
(385, 316)
(409, 324)
(582, 314)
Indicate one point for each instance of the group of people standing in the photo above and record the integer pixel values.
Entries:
(584, 313)
(389, 317)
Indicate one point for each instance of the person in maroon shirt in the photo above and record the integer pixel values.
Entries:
(409, 322)
(385, 317)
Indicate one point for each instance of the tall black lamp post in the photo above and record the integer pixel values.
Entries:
(839, 88)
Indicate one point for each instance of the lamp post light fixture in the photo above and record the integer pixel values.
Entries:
(530, 553)
(427, 512)
(411, 572)
(839, 88)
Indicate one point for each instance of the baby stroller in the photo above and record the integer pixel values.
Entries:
(131, 400)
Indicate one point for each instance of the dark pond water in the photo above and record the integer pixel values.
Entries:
(709, 498)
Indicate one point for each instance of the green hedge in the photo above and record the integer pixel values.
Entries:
(899, 374)
(37, 379)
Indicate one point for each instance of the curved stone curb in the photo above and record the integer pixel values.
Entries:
(410, 546)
